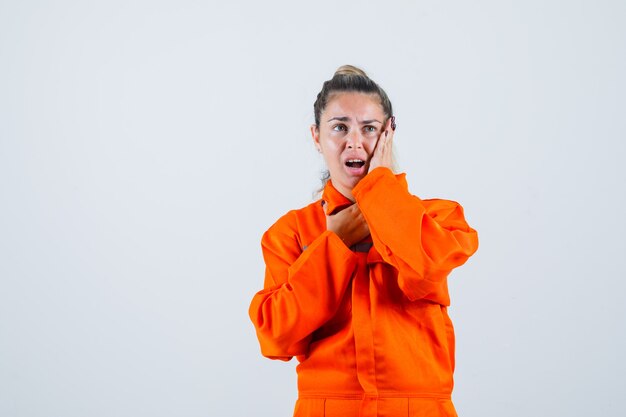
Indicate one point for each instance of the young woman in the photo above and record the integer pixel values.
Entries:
(356, 283)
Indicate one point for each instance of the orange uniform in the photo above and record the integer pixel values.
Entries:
(368, 324)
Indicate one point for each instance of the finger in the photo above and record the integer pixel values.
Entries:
(377, 145)
(384, 145)
(389, 140)
(391, 129)
(380, 144)
(352, 210)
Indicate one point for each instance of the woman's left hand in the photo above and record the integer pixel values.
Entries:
(383, 155)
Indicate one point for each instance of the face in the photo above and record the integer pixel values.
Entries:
(349, 129)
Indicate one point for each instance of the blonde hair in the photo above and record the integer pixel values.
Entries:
(350, 70)
(349, 78)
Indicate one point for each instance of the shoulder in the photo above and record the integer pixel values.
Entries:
(291, 225)
(291, 219)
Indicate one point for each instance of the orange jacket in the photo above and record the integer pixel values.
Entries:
(369, 325)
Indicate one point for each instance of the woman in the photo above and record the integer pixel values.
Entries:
(356, 283)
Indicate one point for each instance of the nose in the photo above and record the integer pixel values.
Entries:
(355, 140)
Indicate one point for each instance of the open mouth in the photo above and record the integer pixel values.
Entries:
(355, 163)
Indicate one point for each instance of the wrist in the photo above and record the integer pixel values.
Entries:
(341, 237)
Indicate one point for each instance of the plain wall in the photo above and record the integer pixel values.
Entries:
(145, 146)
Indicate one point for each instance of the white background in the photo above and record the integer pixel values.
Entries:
(146, 145)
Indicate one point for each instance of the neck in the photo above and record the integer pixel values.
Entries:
(347, 193)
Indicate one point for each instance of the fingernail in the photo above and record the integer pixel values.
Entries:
(393, 123)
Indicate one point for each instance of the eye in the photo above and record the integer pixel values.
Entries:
(340, 128)
(369, 129)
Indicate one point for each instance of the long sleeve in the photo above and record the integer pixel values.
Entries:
(423, 240)
(303, 288)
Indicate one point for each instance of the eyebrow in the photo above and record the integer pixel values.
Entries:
(347, 119)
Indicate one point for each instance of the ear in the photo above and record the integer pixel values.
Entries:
(315, 133)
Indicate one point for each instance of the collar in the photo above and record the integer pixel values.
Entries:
(335, 200)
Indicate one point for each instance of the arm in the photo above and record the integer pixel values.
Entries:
(424, 242)
(302, 289)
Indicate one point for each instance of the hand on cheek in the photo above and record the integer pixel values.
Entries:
(383, 155)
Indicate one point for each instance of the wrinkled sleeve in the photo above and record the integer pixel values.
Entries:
(303, 288)
(423, 240)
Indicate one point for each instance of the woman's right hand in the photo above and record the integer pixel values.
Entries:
(349, 224)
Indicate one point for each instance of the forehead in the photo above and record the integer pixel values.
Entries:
(355, 105)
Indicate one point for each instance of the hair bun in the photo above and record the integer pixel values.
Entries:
(350, 70)
(349, 79)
